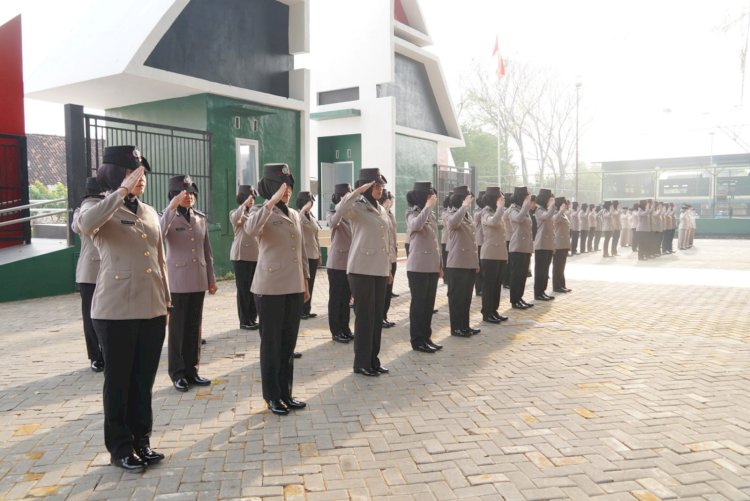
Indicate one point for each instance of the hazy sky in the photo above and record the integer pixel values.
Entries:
(657, 75)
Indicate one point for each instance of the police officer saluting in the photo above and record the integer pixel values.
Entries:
(280, 285)
(521, 245)
(191, 273)
(494, 254)
(310, 229)
(244, 257)
(339, 292)
(130, 303)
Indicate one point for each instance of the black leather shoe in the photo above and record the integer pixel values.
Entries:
(366, 372)
(436, 346)
(560, 291)
(549, 298)
(181, 384)
(149, 455)
(434, 311)
(348, 334)
(424, 348)
(293, 404)
(304, 316)
(500, 317)
(387, 324)
(541, 297)
(203, 341)
(490, 320)
(251, 326)
(382, 370)
(278, 407)
(394, 295)
(341, 338)
(312, 315)
(131, 463)
(527, 304)
(473, 331)
(297, 354)
(520, 306)
(199, 381)
(97, 365)
(460, 333)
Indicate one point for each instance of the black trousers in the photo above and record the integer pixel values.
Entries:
(574, 241)
(244, 271)
(313, 265)
(492, 284)
(478, 279)
(93, 350)
(590, 243)
(506, 272)
(185, 334)
(406, 246)
(131, 351)
(460, 284)
(338, 302)
(542, 261)
(615, 241)
(597, 239)
(584, 240)
(279, 326)
(558, 268)
(388, 292)
(519, 267)
(607, 238)
(445, 259)
(423, 287)
(642, 238)
(369, 301)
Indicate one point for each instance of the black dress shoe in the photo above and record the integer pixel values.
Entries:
(131, 463)
(253, 325)
(304, 316)
(549, 298)
(490, 319)
(180, 384)
(97, 365)
(387, 324)
(424, 348)
(278, 407)
(312, 315)
(520, 306)
(500, 317)
(297, 354)
(541, 297)
(394, 295)
(340, 338)
(473, 331)
(560, 291)
(293, 404)
(199, 381)
(527, 304)
(382, 370)
(149, 455)
(203, 341)
(436, 346)
(348, 334)
(366, 372)
(460, 333)
(434, 311)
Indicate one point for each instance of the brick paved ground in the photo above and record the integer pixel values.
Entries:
(634, 386)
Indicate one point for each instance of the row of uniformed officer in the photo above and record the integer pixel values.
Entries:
(130, 303)
(280, 284)
(424, 265)
(87, 268)
(191, 273)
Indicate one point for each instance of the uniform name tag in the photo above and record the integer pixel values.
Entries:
(125, 221)
(277, 222)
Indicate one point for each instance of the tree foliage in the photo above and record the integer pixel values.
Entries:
(39, 191)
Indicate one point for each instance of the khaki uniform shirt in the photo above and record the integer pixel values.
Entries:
(561, 223)
(244, 246)
(462, 242)
(545, 231)
(87, 267)
(282, 263)
(189, 258)
(393, 236)
(310, 228)
(520, 223)
(132, 281)
(424, 250)
(494, 234)
(370, 252)
(341, 240)
(478, 227)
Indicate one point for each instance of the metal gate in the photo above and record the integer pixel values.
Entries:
(14, 191)
(170, 151)
(449, 177)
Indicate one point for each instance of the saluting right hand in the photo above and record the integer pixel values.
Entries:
(175, 202)
(250, 201)
(467, 201)
(431, 201)
(132, 179)
(276, 198)
(364, 188)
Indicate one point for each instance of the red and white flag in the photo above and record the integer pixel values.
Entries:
(500, 63)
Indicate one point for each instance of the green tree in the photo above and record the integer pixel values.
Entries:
(39, 191)
(481, 153)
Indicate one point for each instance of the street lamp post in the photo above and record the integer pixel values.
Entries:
(578, 89)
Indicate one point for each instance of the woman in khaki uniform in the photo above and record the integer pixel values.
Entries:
(562, 225)
(494, 254)
(339, 292)
(368, 268)
(280, 285)
(244, 257)
(130, 304)
(521, 245)
(310, 229)
(87, 269)
(191, 272)
(386, 200)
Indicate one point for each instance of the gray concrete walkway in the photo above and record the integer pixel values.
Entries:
(633, 386)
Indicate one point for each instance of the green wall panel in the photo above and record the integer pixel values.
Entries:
(188, 112)
(49, 274)
(327, 147)
(415, 161)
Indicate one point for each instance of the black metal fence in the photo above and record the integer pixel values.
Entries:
(14, 189)
(170, 151)
(449, 177)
